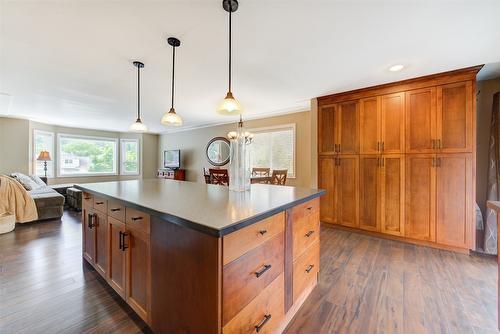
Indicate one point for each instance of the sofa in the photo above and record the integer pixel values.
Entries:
(49, 203)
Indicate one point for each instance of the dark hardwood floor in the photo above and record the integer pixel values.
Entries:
(367, 285)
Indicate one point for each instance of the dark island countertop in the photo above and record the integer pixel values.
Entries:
(210, 209)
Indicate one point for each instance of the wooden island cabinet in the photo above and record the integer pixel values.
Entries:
(413, 176)
(238, 263)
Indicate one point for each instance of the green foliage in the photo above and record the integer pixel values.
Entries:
(100, 153)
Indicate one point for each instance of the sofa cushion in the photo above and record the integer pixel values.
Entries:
(46, 197)
(25, 181)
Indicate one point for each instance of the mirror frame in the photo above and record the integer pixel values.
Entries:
(217, 164)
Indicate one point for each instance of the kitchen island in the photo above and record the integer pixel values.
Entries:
(196, 258)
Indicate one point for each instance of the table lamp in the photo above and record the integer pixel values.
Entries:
(44, 156)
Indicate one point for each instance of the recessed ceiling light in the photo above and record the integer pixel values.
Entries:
(396, 68)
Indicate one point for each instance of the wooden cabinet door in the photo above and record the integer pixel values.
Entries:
(101, 242)
(369, 192)
(116, 261)
(88, 231)
(420, 128)
(392, 194)
(454, 117)
(347, 196)
(327, 182)
(392, 110)
(138, 288)
(348, 127)
(454, 200)
(327, 125)
(369, 123)
(420, 197)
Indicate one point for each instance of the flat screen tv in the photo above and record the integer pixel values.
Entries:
(172, 159)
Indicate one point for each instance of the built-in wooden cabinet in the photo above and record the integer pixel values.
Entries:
(347, 190)
(117, 244)
(397, 159)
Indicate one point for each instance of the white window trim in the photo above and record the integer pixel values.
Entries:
(276, 128)
(59, 135)
(52, 168)
(122, 156)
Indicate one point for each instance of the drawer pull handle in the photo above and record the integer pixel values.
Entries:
(262, 232)
(263, 270)
(308, 270)
(87, 198)
(115, 209)
(99, 203)
(120, 241)
(308, 234)
(267, 317)
(123, 235)
(90, 219)
(309, 208)
(136, 218)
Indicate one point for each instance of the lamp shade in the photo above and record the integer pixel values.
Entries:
(44, 156)
(229, 106)
(171, 118)
(138, 126)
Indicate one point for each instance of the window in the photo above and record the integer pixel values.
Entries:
(43, 141)
(274, 147)
(129, 157)
(83, 156)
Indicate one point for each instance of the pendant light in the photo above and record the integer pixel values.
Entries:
(229, 106)
(171, 118)
(138, 126)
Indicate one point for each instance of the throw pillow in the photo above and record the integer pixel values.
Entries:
(26, 181)
(38, 180)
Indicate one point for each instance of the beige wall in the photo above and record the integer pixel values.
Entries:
(484, 103)
(18, 156)
(192, 144)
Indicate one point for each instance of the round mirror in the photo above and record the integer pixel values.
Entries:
(218, 151)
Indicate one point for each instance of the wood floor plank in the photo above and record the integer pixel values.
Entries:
(367, 285)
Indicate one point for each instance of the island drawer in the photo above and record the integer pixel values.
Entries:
(306, 230)
(239, 242)
(137, 220)
(100, 204)
(305, 270)
(264, 314)
(88, 199)
(117, 211)
(246, 277)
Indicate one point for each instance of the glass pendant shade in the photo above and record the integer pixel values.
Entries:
(138, 126)
(171, 118)
(229, 106)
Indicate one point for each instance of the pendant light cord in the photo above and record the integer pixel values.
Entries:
(138, 92)
(173, 74)
(230, 10)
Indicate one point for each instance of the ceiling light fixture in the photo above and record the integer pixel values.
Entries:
(138, 126)
(396, 68)
(229, 106)
(171, 118)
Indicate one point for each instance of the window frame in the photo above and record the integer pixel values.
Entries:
(277, 128)
(122, 156)
(116, 155)
(52, 168)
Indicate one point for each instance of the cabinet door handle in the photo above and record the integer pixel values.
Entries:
(89, 220)
(308, 234)
(383, 146)
(262, 232)
(439, 162)
(124, 234)
(136, 218)
(263, 270)
(439, 144)
(309, 268)
(267, 317)
(120, 241)
(99, 203)
(115, 209)
(378, 146)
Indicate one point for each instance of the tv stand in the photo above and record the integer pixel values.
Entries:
(172, 174)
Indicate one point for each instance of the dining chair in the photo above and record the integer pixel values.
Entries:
(261, 171)
(206, 175)
(219, 176)
(279, 176)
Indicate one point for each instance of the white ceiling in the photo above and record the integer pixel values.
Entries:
(68, 62)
